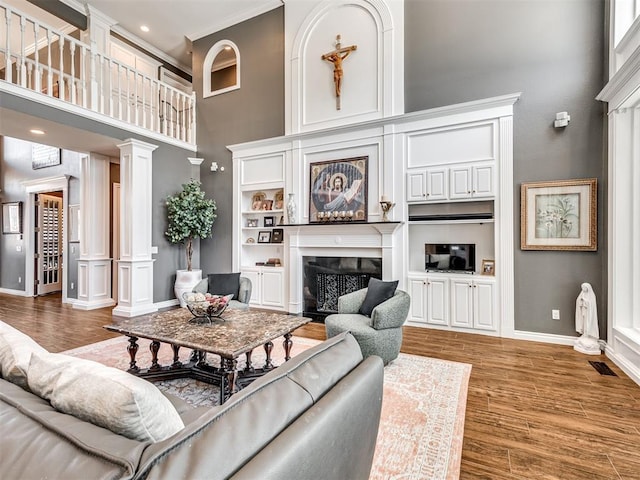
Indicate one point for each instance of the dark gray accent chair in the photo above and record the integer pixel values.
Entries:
(380, 334)
(244, 292)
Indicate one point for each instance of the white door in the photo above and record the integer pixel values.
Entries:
(417, 290)
(460, 182)
(416, 186)
(483, 181)
(437, 311)
(484, 315)
(48, 254)
(272, 290)
(461, 303)
(437, 184)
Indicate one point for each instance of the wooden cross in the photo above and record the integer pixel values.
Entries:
(336, 57)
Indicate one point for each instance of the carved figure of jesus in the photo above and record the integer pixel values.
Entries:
(336, 57)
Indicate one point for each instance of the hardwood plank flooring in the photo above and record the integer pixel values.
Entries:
(534, 410)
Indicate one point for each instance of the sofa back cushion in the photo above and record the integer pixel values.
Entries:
(15, 352)
(105, 396)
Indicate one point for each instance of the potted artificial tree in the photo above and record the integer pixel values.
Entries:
(189, 216)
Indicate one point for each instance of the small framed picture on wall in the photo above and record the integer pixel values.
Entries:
(488, 267)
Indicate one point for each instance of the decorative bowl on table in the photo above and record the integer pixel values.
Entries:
(206, 306)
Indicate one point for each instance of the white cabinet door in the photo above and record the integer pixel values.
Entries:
(483, 181)
(437, 184)
(254, 276)
(416, 186)
(461, 303)
(417, 289)
(484, 306)
(272, 287)
(437, 304)
(460, 182)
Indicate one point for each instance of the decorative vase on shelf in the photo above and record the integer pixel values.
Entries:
(291, 209)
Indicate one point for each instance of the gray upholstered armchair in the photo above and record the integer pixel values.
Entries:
(241, 300)
(380, 334)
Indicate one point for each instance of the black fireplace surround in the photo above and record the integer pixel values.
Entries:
(327, 278)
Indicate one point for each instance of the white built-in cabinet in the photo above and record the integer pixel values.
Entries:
(441, 183)
(266, 286)
(462, 302)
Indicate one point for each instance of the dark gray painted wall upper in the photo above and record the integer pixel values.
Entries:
(553, 52)
(253, 112)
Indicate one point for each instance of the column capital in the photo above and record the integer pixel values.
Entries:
(133, 142)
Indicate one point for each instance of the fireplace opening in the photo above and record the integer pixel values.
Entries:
(327, 278)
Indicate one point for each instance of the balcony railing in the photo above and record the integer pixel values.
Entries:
(59, 65)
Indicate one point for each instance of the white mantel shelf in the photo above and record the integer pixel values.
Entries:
(384, 228)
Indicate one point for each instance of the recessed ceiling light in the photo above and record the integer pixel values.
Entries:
(144, 28)
(227, 48)
(37, 131)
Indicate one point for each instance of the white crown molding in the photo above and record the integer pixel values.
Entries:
(623, 84)
(195, 160)
(264, 7)
(94, 12)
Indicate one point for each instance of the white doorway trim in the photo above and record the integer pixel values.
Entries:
(43, 185)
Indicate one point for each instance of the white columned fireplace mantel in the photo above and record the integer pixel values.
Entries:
(369, 240)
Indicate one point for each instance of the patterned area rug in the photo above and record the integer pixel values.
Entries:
(423, 407)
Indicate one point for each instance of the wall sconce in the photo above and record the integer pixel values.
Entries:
(562, 119)
(215, 167)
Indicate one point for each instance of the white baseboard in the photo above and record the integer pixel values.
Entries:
(167, 303)
(544, 337)
(625, 365)
(18, 293)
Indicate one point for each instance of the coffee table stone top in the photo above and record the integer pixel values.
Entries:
(238, 332)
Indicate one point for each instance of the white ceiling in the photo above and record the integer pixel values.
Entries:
(174, 24)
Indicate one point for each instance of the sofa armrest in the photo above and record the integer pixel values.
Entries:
(392, 312)
(244, 292)
(202, 286)
(351, 302)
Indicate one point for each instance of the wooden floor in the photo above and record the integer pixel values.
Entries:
(534, 410)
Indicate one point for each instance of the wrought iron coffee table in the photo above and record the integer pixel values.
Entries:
(238, 333)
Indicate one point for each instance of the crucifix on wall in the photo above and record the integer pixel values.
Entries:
(336, 57)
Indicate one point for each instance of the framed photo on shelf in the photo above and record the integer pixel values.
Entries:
(488, 267)
(264, 236)
(278, 200)
(12, 217)
(338, 186)
(277, 235)
(257, 199)
(269, 221)
(252, 222)
(559, 215)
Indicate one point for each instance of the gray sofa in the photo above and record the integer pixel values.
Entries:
(315, 417)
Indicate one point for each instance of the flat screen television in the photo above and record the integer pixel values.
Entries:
(450, 257)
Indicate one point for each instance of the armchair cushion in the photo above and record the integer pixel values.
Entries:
(377, 292)
(224, 283)
(392, 312)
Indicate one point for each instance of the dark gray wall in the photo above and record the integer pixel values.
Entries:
(253, 112)
(170, 170)
(553, 52)
(16, 168)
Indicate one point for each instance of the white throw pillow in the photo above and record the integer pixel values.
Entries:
(15, 352)
(105, 396)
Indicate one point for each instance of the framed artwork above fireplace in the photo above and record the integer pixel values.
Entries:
(338, 190)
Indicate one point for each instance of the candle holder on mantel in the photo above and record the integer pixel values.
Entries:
(386, 205)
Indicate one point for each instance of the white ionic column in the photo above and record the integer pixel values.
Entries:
(135, 265)
(94, 264)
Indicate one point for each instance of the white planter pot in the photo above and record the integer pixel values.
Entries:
(185, 281)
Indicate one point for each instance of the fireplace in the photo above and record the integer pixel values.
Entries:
(327, 278)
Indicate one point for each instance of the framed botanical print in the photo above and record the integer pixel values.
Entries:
(338, 190)
(12, 217)
(559, 215)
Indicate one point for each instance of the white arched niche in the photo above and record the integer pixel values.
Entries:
(221, 69)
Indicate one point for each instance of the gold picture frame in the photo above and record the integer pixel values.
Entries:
(559, 215)
(488, 267)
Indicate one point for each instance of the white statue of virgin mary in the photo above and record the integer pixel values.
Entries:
(587, 322)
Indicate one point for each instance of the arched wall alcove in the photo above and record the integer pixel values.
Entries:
(221, 69)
